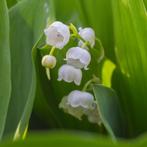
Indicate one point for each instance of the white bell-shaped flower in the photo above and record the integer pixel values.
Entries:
(57, 34)
(80, 98)
(77, 112)
(87, 34)
(79, 103)
(70, 74)
(78, 57)
(48, 61)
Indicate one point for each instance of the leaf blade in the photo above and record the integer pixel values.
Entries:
(5, 65)
(110, 110)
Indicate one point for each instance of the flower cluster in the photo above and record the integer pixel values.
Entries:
(78, 58)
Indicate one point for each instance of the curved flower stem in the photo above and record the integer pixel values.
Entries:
(52, 50)
(93, 80)
(101, 50)
(76, 34)
(73, 28)
(87, 84)
(44, 47)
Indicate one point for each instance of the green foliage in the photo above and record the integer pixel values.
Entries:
(27, 21)
(67, 139)
(130, 27)
(121, 25)
(109, 104)
(5, 65)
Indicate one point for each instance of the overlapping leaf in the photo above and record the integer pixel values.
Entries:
(110, 110)
(5, 65)
(27, 21)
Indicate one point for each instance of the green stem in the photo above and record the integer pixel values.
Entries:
(76, 34)
(73, 29)
(87, 84)
(44, 47)
(93, 80)
(102, 52)
(85, 44)
(52, 50)
(48, 73)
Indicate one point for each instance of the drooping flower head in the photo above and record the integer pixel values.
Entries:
(78, 57)
(78, 103)
(70, 74)
(57, 34)
(87, 34)
(80, 99)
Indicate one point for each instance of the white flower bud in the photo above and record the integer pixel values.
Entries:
(80, 98)
(78, 57)
(70, 74)
(48, 61)
(87, 34)
(57, 34)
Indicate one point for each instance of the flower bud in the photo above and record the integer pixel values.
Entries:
(48, 61)
(87, 34)
(78, 57)
(57, 34)
(70, 74)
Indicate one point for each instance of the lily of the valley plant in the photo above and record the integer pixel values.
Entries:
(77, 60)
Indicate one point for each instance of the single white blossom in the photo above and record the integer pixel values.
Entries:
(87, 34)
(70, 74)
(77, 112)
(79, 103)
(78, 57)
(48, 61)
(57, 34)
(80, 98)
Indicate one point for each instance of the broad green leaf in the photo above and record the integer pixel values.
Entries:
(130, 27)
(62, 138)
(118, 81)
(28, 18)
(5, 65)
(110, 111)
(72, 139)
